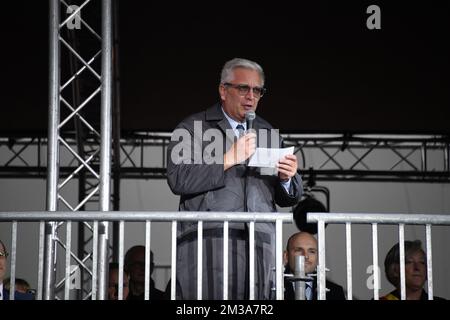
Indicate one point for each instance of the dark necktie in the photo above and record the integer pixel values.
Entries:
(241, 130)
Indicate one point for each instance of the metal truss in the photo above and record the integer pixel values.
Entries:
(80, 100)
(338, 157)
(364, 157)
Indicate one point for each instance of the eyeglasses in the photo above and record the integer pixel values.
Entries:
(4, 255)
(32, 291)
(244, 89)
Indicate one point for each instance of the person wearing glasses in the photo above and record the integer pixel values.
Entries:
(207, 167)
(4, 293)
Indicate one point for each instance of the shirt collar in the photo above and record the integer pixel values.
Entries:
(234, 123)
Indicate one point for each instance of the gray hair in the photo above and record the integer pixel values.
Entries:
(227, 70)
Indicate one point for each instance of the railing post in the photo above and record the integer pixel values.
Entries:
(429, 261)
(225, 259)
(200, 260)
(348, 241)
(321, 276)
(251, 264)
(401, 243)
(278, 259)
(376, 274)
(148, 259)
(173, 271)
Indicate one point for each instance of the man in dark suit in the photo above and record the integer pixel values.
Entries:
(4, 294)
(305, 244)
(206, 167)
(135, 267)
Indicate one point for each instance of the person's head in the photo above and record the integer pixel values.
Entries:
(113, 287)
(135, 263)
(3, 257)
(21, 285)
(415, 265)
(305, 244)
(241, 87)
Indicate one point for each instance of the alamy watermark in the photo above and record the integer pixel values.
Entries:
(370, 282)
(374, 20)
(75, 21)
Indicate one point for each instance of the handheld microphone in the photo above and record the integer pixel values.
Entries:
(249, 117)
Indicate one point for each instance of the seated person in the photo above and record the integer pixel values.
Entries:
(4, 292)
(415, 271)
(21, 285)
(305, 244)
(135, 266)
(113, 286)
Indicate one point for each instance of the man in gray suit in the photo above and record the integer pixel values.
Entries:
(207, 160)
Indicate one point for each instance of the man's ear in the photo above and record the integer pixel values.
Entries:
(222, 91)
(285, 257)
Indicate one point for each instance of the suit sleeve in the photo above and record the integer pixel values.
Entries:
(187, 172)
(291, 198)
(285, 199)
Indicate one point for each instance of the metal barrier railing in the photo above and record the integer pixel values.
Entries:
(374, 219)
(148, 217)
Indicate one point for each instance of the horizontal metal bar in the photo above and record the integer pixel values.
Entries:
(381, 218)
(410, 141)
(324, 174)
(160, 173)
(146, 215)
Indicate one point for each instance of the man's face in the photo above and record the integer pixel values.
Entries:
(137, 266)
(235, 104)
(2, 263)
(113, 288)
(415, 270)
(306, 245)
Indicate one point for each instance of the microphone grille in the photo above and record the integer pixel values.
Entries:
(250, 115)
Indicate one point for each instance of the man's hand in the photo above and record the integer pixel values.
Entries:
(240, 151)
(287, 167)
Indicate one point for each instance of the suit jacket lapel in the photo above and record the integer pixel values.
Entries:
(5, 294)
(215, 114)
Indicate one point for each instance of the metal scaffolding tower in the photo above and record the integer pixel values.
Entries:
(84, 89)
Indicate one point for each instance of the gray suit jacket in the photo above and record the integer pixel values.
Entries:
(206, 187)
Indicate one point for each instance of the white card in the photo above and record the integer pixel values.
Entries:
(268, 157)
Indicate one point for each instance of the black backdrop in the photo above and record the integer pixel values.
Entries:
(325, 71)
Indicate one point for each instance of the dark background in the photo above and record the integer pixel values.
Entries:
(325, 71)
